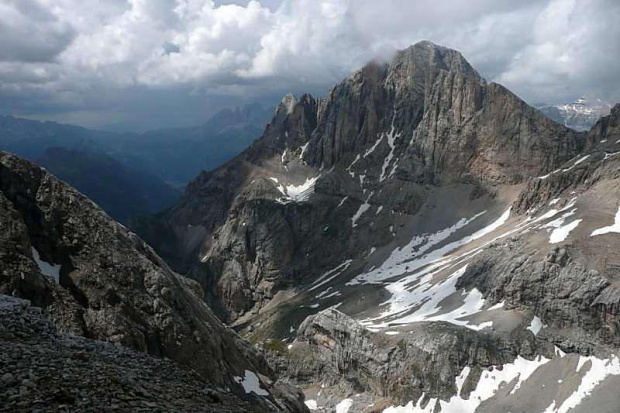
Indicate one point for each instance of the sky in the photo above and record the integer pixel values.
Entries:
(145, 64)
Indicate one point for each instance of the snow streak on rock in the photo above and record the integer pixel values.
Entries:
(51, 270)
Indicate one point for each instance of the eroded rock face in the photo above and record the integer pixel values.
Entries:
(578, 306)
(380, 141)
(333, 349)
(111, 285)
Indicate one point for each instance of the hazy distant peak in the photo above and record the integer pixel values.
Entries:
(580, 115)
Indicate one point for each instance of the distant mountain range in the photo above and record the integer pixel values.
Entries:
(130, 174)
(121, 191)
(579, 115)
(174, 155)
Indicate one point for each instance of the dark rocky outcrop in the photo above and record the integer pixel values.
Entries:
(578, 306)
(42, 369)
(111, 285)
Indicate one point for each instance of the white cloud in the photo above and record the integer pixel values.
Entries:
(572, 48)
(73, 50)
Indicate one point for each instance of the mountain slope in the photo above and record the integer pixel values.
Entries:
(92, 277)
(375, 150)
(178, 155)
(475, 319)
(121, 191)
(418, 238)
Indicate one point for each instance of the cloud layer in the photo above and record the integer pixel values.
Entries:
(99, 58)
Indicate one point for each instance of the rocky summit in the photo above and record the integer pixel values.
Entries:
(418, 240)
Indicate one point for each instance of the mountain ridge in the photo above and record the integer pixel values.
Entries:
(174, 155)
(453, 138)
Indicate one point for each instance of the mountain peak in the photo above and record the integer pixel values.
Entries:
(435, 56)
(580, 115)
(288, 103)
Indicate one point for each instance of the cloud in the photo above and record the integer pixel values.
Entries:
(31, 33)
(572, 49)
(81, 55)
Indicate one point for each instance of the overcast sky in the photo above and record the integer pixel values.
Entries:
(157, 63)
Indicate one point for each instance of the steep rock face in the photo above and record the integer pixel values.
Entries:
(450, 123)
(598, 163)
(93, 277)
(297, 202)
(579, 306)
(544, 275)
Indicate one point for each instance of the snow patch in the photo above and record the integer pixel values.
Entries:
(330, 275)
(311, 404)
(302, 192)
(357, 158)
(428, 297)
(304, 147)
(362, 209)
(535, 325)
(51, 270)
(560, 234)
(599, 369)
(342, 202)
(577, 162)
(391, 138)
(609, 155)
(412, 256)
(251, 384)
(490, 381)
(283, 157)
(615, 228)
(344, 406)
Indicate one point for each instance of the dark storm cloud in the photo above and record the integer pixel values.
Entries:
(86, 59)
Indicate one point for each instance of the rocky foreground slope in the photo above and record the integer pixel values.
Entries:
(418, 240)
(93, 278)
(42, 369)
